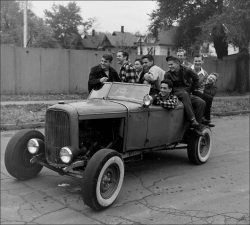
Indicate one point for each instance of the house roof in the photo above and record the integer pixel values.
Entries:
(90, 41)
(125, 39)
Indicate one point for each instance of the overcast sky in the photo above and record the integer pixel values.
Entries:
(111, 15)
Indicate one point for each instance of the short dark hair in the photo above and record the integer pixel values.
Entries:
(174, 59)
(197, 55)
(108, 57)
(138, 60)
(124, 53)
(168, 82)
(215, 74)
(149, 57)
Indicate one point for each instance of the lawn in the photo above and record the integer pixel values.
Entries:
(19, 114)
(39, 97)
(31, 113)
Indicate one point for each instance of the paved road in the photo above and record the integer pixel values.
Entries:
(164, 188)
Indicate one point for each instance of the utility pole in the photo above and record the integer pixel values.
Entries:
(140, 45)
(25, 23)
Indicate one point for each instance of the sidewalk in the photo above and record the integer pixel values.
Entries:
(49, 102)
(52, 102)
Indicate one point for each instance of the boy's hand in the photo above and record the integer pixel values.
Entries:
(103, 79)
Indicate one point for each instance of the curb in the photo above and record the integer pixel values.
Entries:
(233, 113)
(4, 127)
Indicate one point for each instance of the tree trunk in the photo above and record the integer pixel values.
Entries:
(220, 43)
(242, 63)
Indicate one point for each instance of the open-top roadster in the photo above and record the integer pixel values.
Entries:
(93, 138)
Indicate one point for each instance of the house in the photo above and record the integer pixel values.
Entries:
(231, 50)
(92, 41)
(163, 45)
(119, 40)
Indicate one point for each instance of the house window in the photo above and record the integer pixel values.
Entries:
(151, 50)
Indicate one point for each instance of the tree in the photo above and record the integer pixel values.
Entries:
(39, 35)
(189, 15)
(65, 21)
(235, 19)
(11, 25)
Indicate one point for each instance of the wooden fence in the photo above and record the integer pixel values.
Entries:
(43, 71)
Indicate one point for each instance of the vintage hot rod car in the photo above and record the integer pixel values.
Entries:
(92, 139)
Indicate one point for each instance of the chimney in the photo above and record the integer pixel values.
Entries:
(122, 29)
(93, 33)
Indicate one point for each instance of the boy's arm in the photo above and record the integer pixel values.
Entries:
(154, 74)
(210, 90)
(195, 79)
(150, 77)
(169, 103)
(130, 75)
(94, 77)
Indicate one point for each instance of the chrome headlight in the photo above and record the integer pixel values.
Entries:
(66, 155)
(35, 145)
(147, 100)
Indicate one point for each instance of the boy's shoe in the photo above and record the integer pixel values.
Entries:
(211, 125)
(194, 124)
(205, 121)
(198, 132)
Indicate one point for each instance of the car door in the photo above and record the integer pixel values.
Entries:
(137, 125)
(165, 126)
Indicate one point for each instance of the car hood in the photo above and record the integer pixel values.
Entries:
(98, 107)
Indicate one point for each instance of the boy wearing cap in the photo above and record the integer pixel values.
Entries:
(184, 81)
(102, 73)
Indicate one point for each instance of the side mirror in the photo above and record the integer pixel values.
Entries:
(147, 100)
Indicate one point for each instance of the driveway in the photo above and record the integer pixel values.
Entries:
(164, 188)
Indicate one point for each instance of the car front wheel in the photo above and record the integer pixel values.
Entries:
(102, 180)
(199, 147)
(17, 157)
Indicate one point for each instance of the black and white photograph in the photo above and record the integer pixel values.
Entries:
(125, 112)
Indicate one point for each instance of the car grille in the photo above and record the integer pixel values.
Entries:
(57, 134)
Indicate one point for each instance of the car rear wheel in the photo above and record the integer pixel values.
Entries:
(199, 147)
(17, 157)
(102, 180)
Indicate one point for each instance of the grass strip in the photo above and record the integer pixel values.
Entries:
(33, 113)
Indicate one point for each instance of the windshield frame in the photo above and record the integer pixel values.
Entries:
(104, 97)
(108, 97)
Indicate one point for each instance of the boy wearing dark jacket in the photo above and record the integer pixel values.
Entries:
(102, 73)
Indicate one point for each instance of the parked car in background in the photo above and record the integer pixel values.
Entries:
(92, 140)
